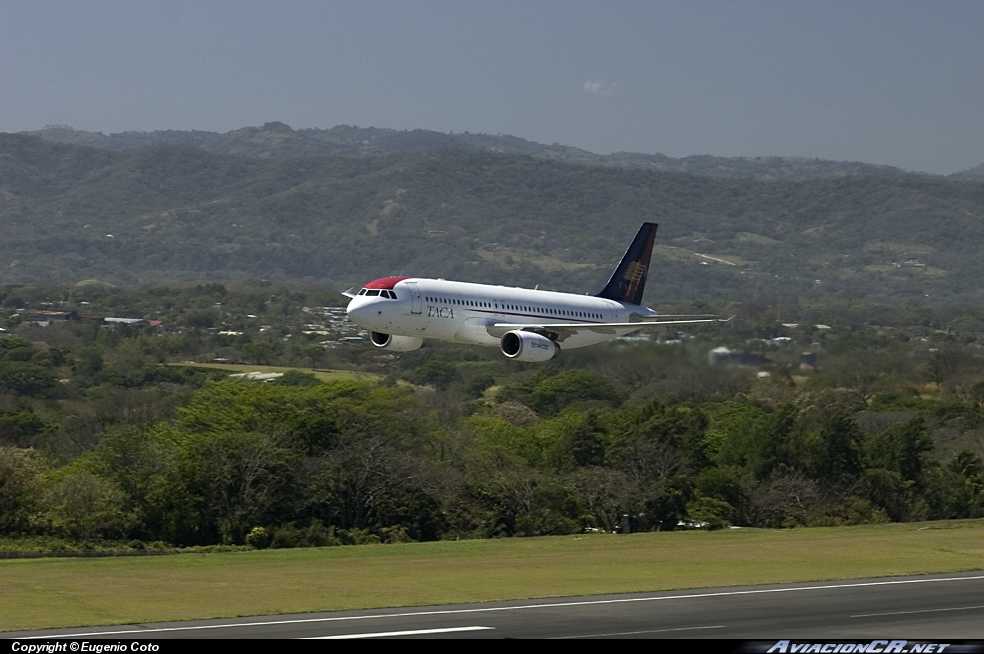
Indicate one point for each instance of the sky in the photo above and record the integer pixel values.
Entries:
(898, 83)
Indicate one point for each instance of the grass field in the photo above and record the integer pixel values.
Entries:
(72, 592)
(323, 375)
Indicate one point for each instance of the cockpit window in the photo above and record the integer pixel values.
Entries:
(392, 295)
(372, 291)
(362, 292)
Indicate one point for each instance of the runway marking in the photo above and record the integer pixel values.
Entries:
(959, 608)
(415, 632)
(493, 609)
(635, 633)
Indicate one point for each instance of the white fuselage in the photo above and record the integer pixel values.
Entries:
(466, 313)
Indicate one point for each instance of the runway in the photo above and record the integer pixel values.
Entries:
(941, 607)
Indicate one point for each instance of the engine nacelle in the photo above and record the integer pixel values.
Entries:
(395, 343)
(528, 346)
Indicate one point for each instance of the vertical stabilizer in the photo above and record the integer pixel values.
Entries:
(629, 279)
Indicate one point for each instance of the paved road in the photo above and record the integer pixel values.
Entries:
(942, 607)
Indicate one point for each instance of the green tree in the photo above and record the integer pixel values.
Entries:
(237, 479)
(901, 449)
(549, 394)
(18, 427)
(835, 448)
(439, 374)
(21, 488)
(83, 506)
(896, 460)
(26, 378)
(582, 444)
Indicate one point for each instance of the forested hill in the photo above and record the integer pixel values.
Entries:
(71, 213)
(975, 174)
(279, 141)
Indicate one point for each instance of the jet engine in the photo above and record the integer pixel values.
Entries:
(395, 343)
(528, 346)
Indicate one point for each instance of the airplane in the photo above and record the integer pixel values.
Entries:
(527, 325)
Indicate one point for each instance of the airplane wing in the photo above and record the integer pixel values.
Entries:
(350, 293)
(561, 331)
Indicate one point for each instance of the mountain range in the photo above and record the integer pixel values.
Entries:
(267, 202)
(276, 140)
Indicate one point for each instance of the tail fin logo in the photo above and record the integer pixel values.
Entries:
(636, 273)
(629, 279)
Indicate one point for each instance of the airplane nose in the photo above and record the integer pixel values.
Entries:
(356, 310)
(361, 312)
